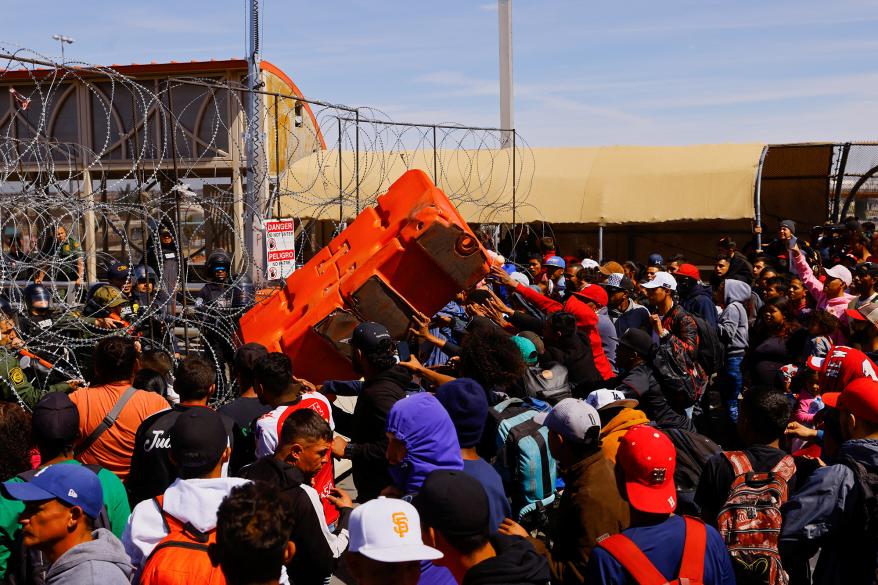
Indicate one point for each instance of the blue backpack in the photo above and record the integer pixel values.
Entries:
(523, 460)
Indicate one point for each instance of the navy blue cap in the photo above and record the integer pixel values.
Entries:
(467, 405)
(368, 336)
(71, 483)
(118, 271)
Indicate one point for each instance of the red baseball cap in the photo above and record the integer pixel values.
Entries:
(860, 398)
(689, 270)
(594, 293)
(841, 366)
(648, 460)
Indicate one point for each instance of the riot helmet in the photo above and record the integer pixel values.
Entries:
(37, 298)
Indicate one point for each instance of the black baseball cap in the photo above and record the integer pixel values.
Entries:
(453, 503)
(198, 439)
(368, 336)
(55, 418)
(247, 355)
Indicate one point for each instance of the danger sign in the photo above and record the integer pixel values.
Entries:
(280, 243)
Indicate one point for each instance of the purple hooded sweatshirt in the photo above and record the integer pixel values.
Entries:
(422, 423)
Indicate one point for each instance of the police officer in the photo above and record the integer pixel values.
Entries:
(214, 305)
(15, 386)
(163, 256)
(119, 275)
(39, 314)
(69, 252)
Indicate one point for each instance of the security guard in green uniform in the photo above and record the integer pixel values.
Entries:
(69, 252)
(14, 383)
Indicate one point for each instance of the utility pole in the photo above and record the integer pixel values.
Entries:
(64, 41)
(256, 194)
(507, 115)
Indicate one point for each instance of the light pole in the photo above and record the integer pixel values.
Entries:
(507, 115)
(63, 40)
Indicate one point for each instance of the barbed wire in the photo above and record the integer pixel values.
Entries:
(114, 159)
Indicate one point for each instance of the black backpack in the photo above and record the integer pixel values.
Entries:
(711, 351)
(29, 567)
(547, 383)
(865, 518)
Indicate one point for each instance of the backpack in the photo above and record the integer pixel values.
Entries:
(548, 384)
(693, 453)
(28, 566)
(181, 556)
(711, 351)
(750, 520)
(523, 460)
(866, 540)
(680, 379)
(644, 572)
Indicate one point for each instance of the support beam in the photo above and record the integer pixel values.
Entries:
(91, 262)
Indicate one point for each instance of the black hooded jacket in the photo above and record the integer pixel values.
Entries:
(699, 302)
(314, 560)
(367, 427)
(516, 563)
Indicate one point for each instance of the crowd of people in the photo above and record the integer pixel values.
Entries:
(566, 420)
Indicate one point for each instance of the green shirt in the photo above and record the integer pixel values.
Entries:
(115, 500)
(13, 378)
(70, 248)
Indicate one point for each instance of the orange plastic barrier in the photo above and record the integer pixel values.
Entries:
(412, 252)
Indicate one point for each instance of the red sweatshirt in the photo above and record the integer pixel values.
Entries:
(586, 319)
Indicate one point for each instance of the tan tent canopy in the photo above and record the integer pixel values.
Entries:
(603, 185)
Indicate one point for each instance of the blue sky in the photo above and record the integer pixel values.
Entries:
(586, 72)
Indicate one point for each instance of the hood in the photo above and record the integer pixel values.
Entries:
(700, 290)
(736, 291)
(278, 473)
(105, 548)
(627, 418)
(422, 423)
(517, 562)
(740, 269)
(863, 450)
(197, 500)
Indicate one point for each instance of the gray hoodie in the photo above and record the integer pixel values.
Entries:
(732, 326)
(101, 561)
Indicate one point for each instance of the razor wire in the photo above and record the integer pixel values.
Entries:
(115, 159)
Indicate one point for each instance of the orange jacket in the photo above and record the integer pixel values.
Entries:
(614, 430)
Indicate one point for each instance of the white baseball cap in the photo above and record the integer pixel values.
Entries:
(589, 263)
(661, 279)
(389, 530)
(606, 398)
(840, 272)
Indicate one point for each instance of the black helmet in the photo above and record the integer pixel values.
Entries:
(143, 272)
(219, 257)
(36, 292)
(244, 293)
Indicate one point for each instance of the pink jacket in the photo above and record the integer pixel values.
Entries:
(834, 306)
(807, 406)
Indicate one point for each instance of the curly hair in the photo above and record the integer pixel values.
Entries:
(252, 529)
(492, 359)
(15, 436)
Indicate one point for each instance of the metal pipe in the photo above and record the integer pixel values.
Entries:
(514, 182)
(181, 274)
(435, 159)
(340, 191)
(839, 180)
(277, 157)
(357, 160)
(600, 243)
(758, 199)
